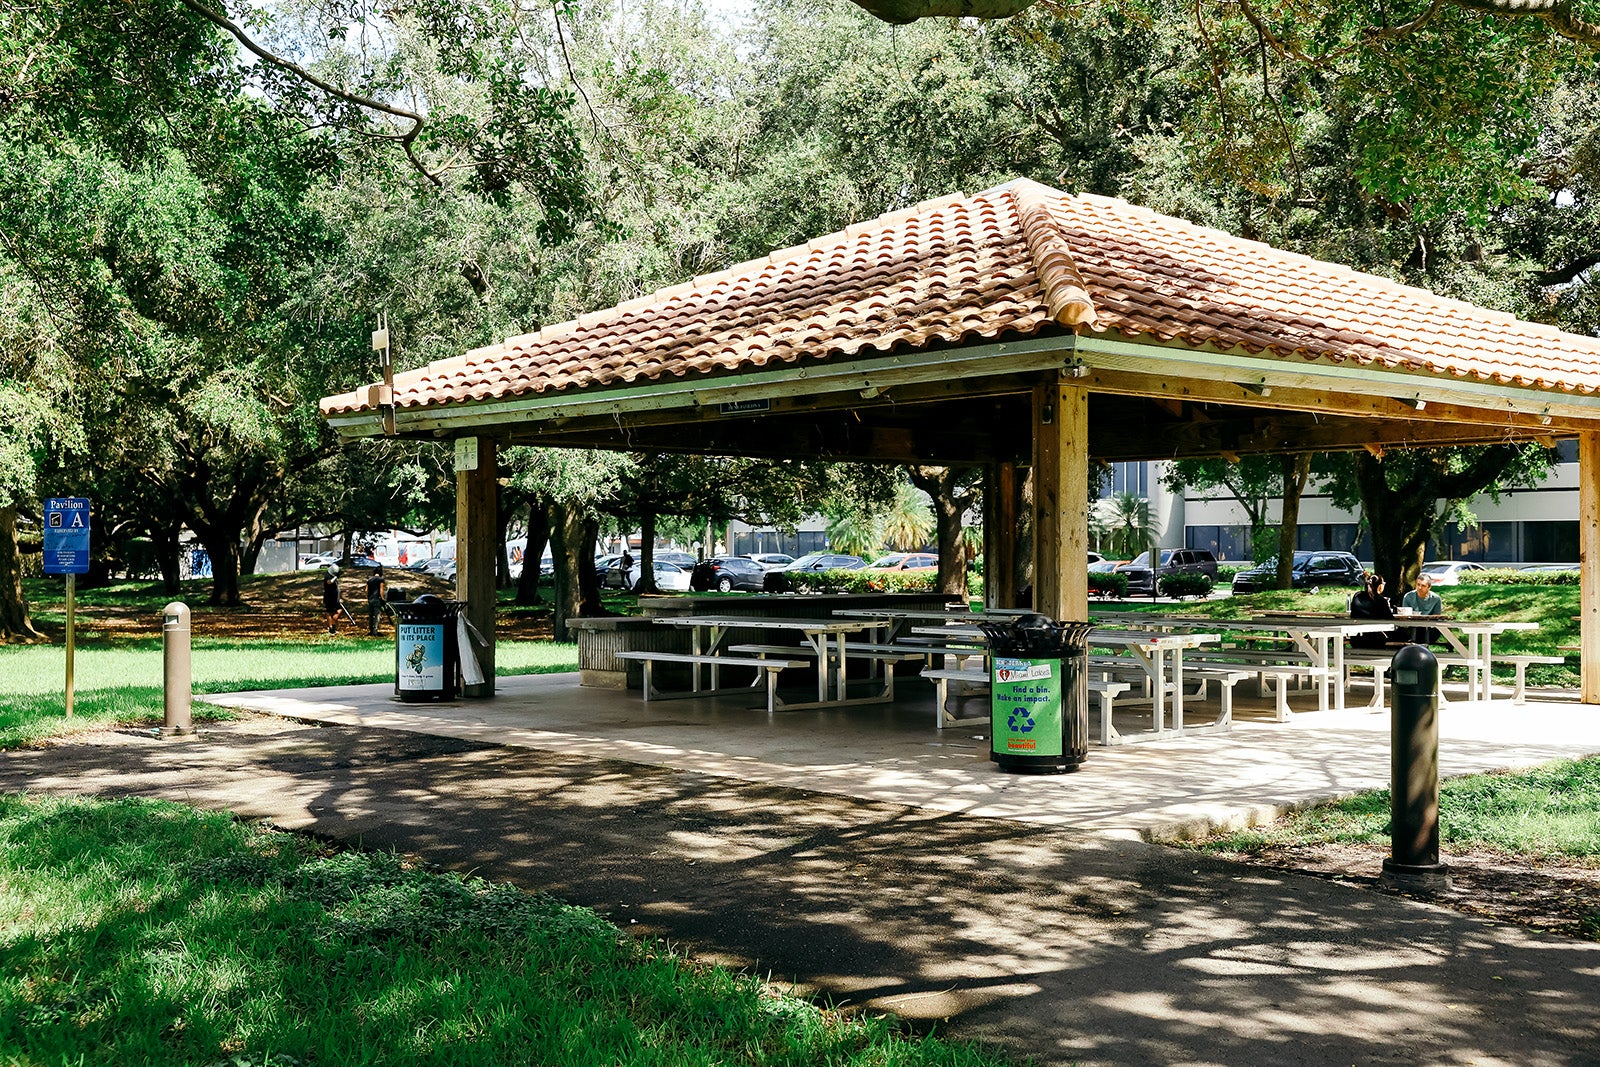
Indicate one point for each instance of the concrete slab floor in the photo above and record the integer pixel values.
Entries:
(893, 753)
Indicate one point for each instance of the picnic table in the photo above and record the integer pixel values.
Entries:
(1158, 657)
(824, 645)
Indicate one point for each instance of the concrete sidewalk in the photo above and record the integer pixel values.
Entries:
(886, 883)
(893, 753)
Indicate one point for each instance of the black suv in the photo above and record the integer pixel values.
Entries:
(1310, 570)
(1173, 561)
(725, 573)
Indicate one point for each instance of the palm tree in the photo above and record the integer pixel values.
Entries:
(1123, 524)
(855, 532)
(908, 524)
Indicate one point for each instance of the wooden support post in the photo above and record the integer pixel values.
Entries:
(1061, 501)
(1589, 555)
(1000, 536)
(477, 527)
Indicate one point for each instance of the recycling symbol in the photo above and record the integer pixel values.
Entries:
(1020, 721)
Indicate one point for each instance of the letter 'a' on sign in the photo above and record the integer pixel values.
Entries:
(66, 535)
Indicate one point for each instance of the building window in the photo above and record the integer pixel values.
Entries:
(1549, 542)
(1333, 537)
(1227, 543)
(1130, 477)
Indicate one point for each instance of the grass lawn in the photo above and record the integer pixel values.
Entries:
(1553, 607)
(137, 932)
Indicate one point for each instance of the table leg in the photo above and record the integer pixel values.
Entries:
(1337, 678)
(1177, 689)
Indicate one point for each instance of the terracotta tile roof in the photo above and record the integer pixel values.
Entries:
(1019, 260)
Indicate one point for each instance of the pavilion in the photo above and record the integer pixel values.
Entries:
(1017, 327)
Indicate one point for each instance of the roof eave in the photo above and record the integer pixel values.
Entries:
(868, 376)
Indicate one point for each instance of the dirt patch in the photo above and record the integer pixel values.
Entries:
(288, 607)
(1545, 894)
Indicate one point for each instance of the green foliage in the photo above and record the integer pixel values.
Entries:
(1185, 583)
(143, 932)
(1508, 576)
(1108, 584)
(859, 581)
(1123, 524)
(1550, 810)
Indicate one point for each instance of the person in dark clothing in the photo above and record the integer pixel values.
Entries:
(377, 592)
(1370, 603)
(330, 597)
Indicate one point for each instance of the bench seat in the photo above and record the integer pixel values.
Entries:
(941, 678)
(771, 667)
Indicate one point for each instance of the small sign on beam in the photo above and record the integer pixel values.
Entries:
(466, 454)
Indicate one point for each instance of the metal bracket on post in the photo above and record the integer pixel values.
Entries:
(380, 345)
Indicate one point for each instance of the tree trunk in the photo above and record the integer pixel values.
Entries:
(647, 554)
(538, 537)
(167, 553)
(15, 622)
(940, 485)
(573, 533)
(1296, 469)
(566, 546)
(252, 553)
(223, 548)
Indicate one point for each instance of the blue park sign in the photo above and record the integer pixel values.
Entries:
(66, 535)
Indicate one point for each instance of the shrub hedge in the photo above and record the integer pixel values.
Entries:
(1507, 576)
(1185, 583)
(1108, 583)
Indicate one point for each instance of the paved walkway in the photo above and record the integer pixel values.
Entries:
(866, 857)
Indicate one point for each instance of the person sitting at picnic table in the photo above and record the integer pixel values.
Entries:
(1370, 603)
(1421, 600)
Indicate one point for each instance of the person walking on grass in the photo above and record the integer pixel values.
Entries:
(330, 597)
(377, 592)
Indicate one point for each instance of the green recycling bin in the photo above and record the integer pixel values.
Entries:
(1039, 695)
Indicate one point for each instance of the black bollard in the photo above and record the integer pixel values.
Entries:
(1413, 862)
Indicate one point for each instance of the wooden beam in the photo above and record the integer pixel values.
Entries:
(1319, 399)
(1061, 500)
(1000, 536)
(1265, 433)
(477, 547)
(1589, 557)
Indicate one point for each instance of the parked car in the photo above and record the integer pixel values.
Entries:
(1309, 570)
(771, 560)
(1106, 564)
(671, 555)
(1095, 557)
(1171, 561)
(826, 561)
(905, 561)
(670, 577)
(608, 570)
(725, 573)
(1544, 567)
(1448, 572)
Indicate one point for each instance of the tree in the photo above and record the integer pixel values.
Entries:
(1405, 495)
(1253, 481)
(953, 494)
(1123, 524)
